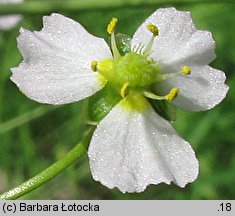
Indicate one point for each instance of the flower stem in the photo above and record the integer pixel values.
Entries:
(25, 117)
(51, 171)
(37, 6)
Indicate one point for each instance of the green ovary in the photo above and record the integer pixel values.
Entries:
(135, 69)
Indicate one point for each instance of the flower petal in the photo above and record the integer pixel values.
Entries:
(130, 150)
(178, 41)
(201, 90)
(56, 67)
(9, 21)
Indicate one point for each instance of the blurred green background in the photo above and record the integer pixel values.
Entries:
(32, 135)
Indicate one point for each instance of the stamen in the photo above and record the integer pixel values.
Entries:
(165, 76)
(169, 97)
(94, 65)
(153, 96)
(154, 29)
(172, 94)
(125, 90)
(185, 70)
(110, 29)
(112, 24)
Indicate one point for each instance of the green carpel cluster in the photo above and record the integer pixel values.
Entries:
(135, 69)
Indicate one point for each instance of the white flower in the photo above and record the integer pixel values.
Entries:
(132, 145)
(9, 21)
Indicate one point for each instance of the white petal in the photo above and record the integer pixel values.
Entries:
(201, 90)
(10, 1)
(130, 150)
(9, 21)
(71, 37)
(56, 67)
(178, 42)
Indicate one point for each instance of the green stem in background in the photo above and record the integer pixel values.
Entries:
(36, 7)
(25, 117)
(51, 171)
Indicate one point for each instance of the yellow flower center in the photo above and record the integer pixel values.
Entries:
(136, 69)
(133, 73)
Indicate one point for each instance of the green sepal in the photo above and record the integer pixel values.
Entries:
(165, 109)
(123, 43)
(102, 102)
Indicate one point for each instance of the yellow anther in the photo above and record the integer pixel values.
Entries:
(124, 90)
(185, 70)
(172, 94)
(94, 65)
(153, 29)
(111, 25)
